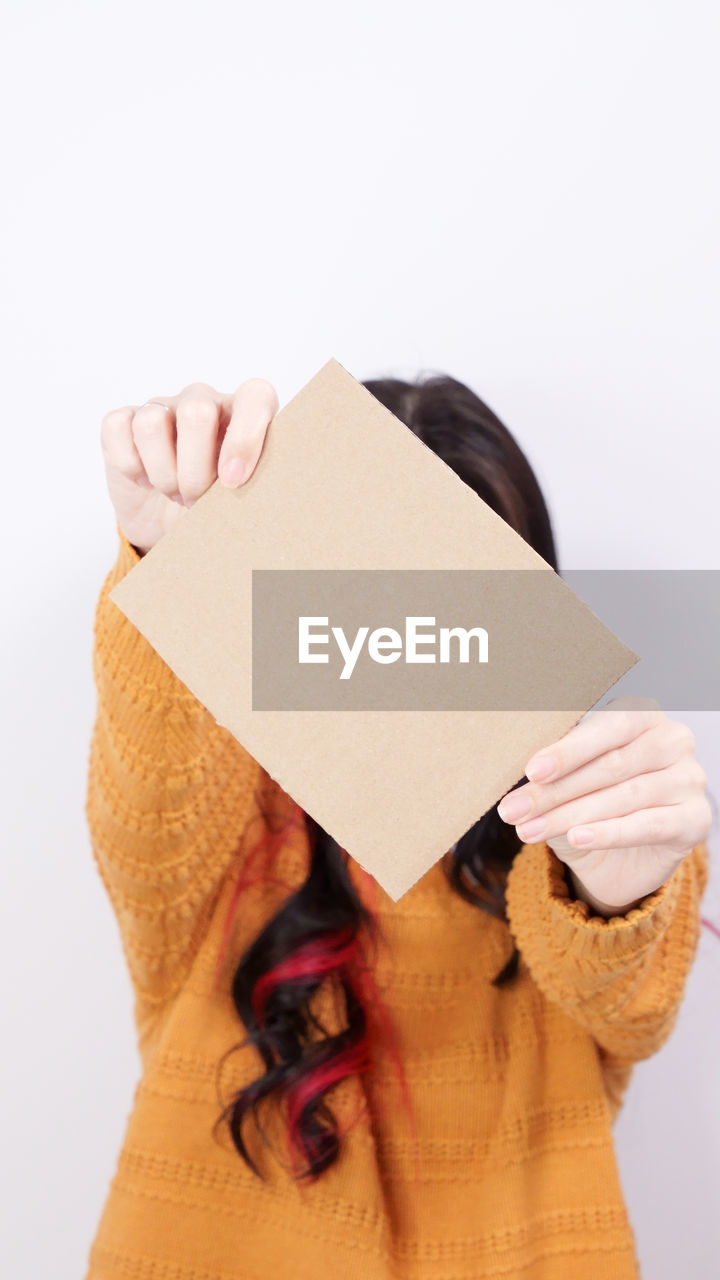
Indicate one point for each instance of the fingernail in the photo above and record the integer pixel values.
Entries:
(529, 830)
(540, 768)
(513, 808)
(233, 471)
(580, 835)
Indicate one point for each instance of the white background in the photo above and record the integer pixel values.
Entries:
(522, 194)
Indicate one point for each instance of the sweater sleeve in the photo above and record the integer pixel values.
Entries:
(622, 977)
(169, 793)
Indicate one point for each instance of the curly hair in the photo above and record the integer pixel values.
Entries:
(323, 933)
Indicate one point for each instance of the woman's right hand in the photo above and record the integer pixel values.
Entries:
(161, 457)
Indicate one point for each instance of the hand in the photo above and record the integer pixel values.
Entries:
(162, 457)
(620, 799)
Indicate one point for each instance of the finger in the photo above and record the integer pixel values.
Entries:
(675, 785)
(254, 405)
(153, 429)
(678, 827)
(118, 446)
(611, 726)
(657, 749)
(198, 417)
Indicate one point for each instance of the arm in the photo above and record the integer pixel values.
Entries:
(621, 977)
(169, 794)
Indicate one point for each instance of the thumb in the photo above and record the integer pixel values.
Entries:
(253, 407)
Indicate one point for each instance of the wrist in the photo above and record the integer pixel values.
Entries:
(596, 904)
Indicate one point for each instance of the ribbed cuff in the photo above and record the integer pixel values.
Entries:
(539, 899)
(126, 552)
(122, 652)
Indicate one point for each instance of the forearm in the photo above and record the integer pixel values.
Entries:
(169, 795)
(621, 977)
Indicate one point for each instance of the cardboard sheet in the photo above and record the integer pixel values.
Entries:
(343, 485)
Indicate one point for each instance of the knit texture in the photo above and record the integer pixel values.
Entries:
(514, 1089)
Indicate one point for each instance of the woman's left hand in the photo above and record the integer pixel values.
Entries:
(620, 799)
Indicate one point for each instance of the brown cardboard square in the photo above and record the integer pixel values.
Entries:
(344, 484)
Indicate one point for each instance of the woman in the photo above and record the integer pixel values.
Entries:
(334, 1083)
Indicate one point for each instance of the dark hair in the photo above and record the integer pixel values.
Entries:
(319, 935)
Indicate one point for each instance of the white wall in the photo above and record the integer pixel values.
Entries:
(524, 195)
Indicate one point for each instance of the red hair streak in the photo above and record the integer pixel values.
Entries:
(338, 952)
(270, 843)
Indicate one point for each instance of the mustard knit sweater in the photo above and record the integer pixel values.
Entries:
(514, 1089)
